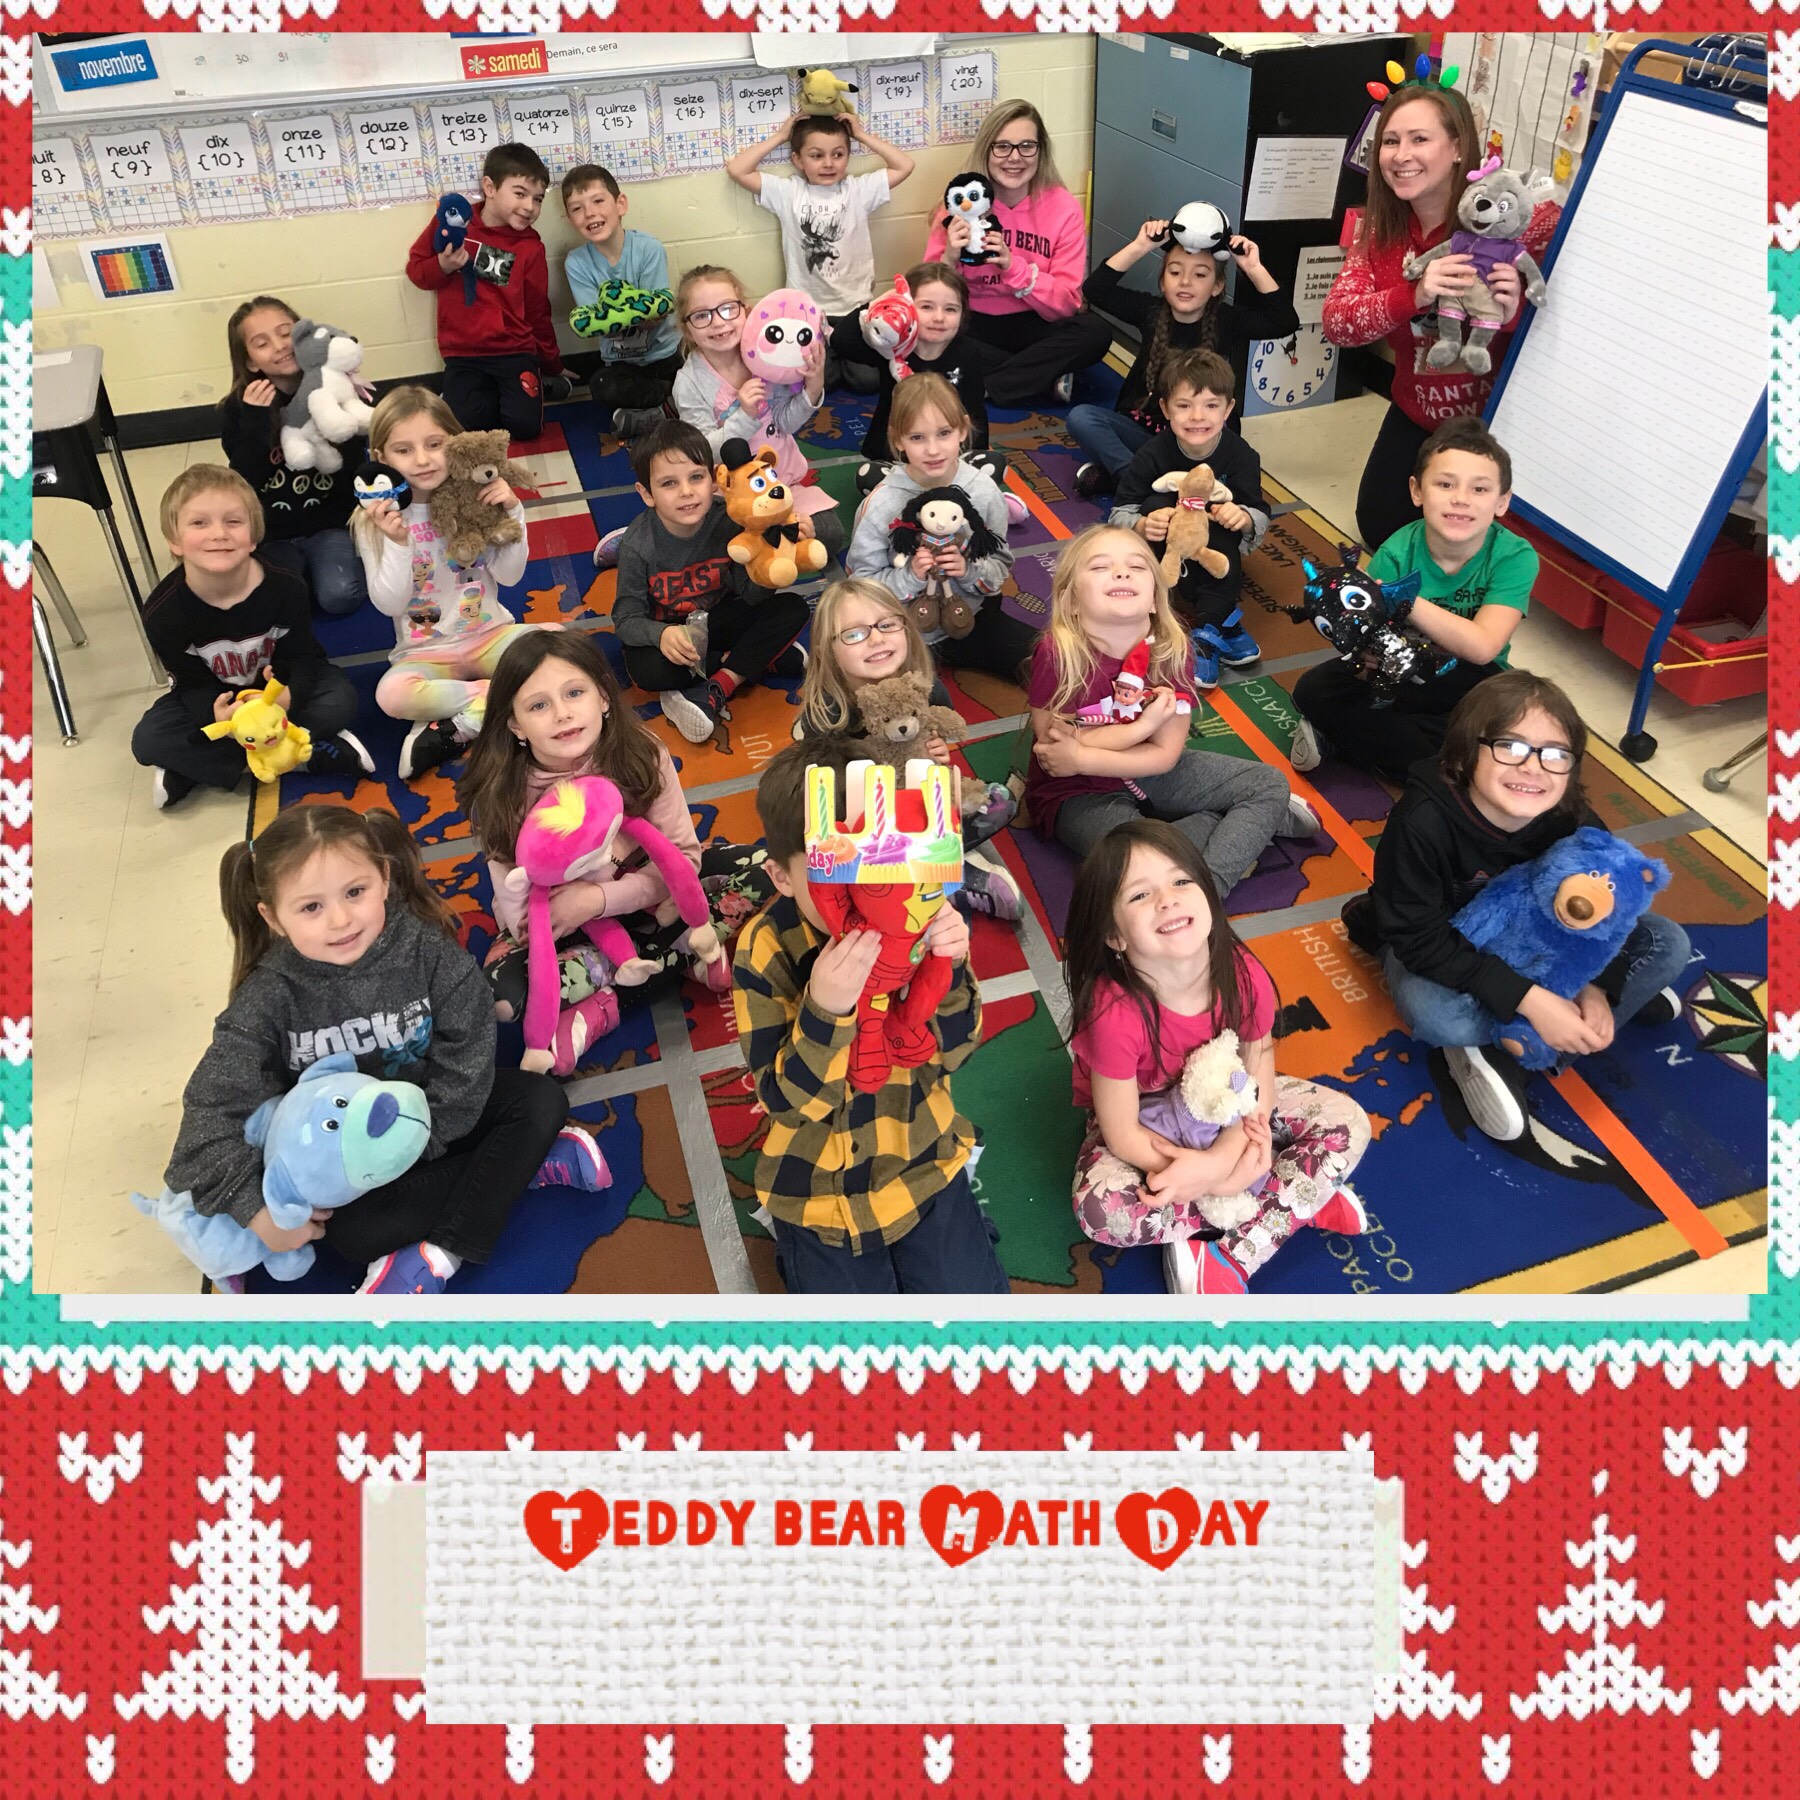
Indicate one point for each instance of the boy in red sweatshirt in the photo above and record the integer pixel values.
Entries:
(494, 331)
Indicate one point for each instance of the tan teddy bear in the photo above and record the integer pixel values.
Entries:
(473, 459)
(1189, 538)
(897, 716)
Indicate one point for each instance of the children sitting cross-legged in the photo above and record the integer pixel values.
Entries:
(1112, 698)
(694, 627)
(1505, 789)
(1475, 581)
(862, 635)
(1155, 972)
(343, 947)
(222, 622)
(555, 712)
(1195, 391)
(867, 1189)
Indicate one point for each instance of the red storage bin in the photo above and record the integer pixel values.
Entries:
(1565, 584)
(1733, 583)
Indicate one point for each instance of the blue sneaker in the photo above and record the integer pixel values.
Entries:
(1206, 660)
(574, 1162)
(1237, 648)
(407, 1271)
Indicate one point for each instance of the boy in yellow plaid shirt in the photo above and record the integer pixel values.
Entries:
(868, 1192)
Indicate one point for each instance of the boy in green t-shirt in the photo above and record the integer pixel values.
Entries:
(1476, 579)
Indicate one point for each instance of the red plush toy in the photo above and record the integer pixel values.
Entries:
(888, 869)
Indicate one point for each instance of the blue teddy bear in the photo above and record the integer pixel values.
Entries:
(1560, 919)
(327, 1141)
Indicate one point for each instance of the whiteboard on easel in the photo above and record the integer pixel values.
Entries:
(1627, 399)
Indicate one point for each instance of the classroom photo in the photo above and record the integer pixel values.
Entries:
(1100, 671)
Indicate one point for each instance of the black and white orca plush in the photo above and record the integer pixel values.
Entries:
(1200, 227)
(970, 196)
(376, 482)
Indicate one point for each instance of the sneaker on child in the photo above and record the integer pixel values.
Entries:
(1199, 1266)
(429, 743)
(636, 421)
(168, 787)
(606, 552)
(1492, 1086)
(1308, 749)
(1236, 647)
(557, 388)
(1301, 820)
(416, 1269)
(694, 711)
(1065, 388)
(341, 755)
(1662, 1008)
(1017, 512)
(1206, 660)
(987, 887)
(790, 665)
(1093, 479)
(1343, 1213)
(574, 1162)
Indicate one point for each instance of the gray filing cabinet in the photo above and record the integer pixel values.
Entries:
(1178, 116)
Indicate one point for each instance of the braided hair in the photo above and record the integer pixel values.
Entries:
(1156, 345)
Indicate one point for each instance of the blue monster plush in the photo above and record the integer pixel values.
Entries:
(1561, 919)
(327, 1141)
(453, 218)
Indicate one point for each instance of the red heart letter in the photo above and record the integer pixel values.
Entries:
(960, 1538)
(565, 1528)
(1157, 1529)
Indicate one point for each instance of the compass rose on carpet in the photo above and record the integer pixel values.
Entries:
(1730, 1017)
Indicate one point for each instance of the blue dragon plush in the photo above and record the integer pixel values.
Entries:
(1560, 919)
(327, 1141)
(1363, 620)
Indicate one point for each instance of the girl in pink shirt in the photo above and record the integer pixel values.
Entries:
(1025, 303)
(1155, 971)
(555, 710)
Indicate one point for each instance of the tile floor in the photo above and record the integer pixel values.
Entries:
(131, 956)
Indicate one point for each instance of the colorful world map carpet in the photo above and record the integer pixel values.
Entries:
(1653, 1154)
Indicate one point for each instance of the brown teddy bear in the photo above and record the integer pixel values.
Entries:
(1189, 538)
(897, 717)
(768, 543)
(473, 459)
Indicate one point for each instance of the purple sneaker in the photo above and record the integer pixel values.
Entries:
(407, 1271)
(574, 1162)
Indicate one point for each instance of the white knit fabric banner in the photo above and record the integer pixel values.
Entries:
(1165, 1588)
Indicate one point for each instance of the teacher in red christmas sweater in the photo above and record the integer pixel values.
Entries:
(1425, 147)
(1025, 305)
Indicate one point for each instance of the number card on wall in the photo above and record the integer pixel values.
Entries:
(966, 86)
(137, 177)
(895, 105)
(693, 128)
(620, 137)
(758, 104)
(390, 160)
(224, 178)
(544, 121)
(309, 166)
(59, 190)
(466, 130)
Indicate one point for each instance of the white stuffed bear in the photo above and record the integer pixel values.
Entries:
(327, 408)
(1215, 1090)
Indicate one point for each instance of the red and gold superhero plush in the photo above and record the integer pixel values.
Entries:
(888, 870)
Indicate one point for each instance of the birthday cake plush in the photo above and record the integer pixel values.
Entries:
(887, 866)
(1560, 919)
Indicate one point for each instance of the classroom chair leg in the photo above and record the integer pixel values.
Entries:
(46, 648)
(41, 568)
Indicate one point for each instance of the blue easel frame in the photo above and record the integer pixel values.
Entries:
(1638, 744)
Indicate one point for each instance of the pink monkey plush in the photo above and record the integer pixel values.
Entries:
(567, 837)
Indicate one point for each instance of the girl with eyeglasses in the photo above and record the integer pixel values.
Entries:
(1026, 305)
(716, 392)
(1506, 787)
(862, 634)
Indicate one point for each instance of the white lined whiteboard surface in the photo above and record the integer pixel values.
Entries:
(1629, 394)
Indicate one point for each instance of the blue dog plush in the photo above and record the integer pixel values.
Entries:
(1561, 919)
(453, 220)
(327, 1141)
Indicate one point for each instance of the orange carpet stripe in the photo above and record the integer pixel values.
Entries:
(1038, 510)
(1640, 1165)
(1334, 821)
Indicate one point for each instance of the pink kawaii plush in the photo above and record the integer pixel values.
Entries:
(780, 331)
